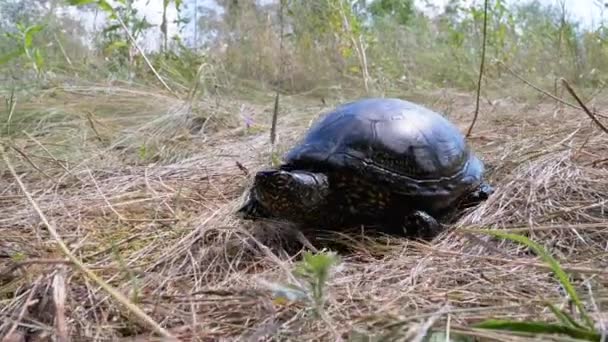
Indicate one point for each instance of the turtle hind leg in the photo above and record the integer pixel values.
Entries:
(420, 224)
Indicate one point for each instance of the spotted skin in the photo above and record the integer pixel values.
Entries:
(351, 200)
(291, 195)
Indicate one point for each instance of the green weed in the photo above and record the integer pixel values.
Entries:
(567, 325)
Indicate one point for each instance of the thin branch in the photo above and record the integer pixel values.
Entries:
(89, 115)
(63, 52)
(26, 305)
(540, 90)
(47, 152)
(275, 112)
(31, 162)
(585, 109)
(79, 265)
(357, 44)
(59, 298)
(571, 105)
(481, 65)
(11, 104)
(122, 23)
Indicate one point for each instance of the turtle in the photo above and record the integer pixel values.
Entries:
(384, 162)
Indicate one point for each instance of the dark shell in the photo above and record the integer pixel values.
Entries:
(391, 142)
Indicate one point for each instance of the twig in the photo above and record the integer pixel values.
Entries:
(26, 304)
(358, 45)
(601, 323)
(59, 294)
(120, 217)
(242, 168)
(481, 65)
(571, 91)
(422, 333)
(89, 117)
(273, 127)
(10, 106)
(31, 162)
(47, 152)
(65, 55)
(275, 112)
(540, 90)
(80, 266)
(122, 23)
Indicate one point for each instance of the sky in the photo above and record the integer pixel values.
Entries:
(583, 10)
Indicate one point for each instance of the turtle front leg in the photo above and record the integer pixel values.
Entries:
(422, 225)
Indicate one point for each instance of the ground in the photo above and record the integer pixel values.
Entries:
(142, 187)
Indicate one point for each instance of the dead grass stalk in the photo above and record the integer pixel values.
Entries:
(162, 232)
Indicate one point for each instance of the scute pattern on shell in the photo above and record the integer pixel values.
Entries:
(395, 136)
(373, 161)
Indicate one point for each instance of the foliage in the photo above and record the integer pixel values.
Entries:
(327, 44)
(567, 325)
(24, 39)
(116, 42)
(386, 43)
(401, 10)
(314, 270)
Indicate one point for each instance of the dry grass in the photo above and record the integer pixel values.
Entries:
(159, 226)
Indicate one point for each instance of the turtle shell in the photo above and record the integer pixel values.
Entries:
(391, 142)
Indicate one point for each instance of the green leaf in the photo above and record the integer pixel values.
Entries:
(79, 2)
(10, 56)
(30, 32)
(111, 28)
(555, 267)
(12, 36)
(104, 5)
(38, 59)
(539, 328)
(115, 45)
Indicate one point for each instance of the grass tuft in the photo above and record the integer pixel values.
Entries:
(156, 223)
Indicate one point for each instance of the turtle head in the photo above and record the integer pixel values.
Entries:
(291, 195)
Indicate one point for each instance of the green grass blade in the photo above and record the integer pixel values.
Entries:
(564, 317)
(559, 272)
(539, 328)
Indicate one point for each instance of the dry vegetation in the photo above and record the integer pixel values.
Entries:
(140, 185)
(157, 224)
